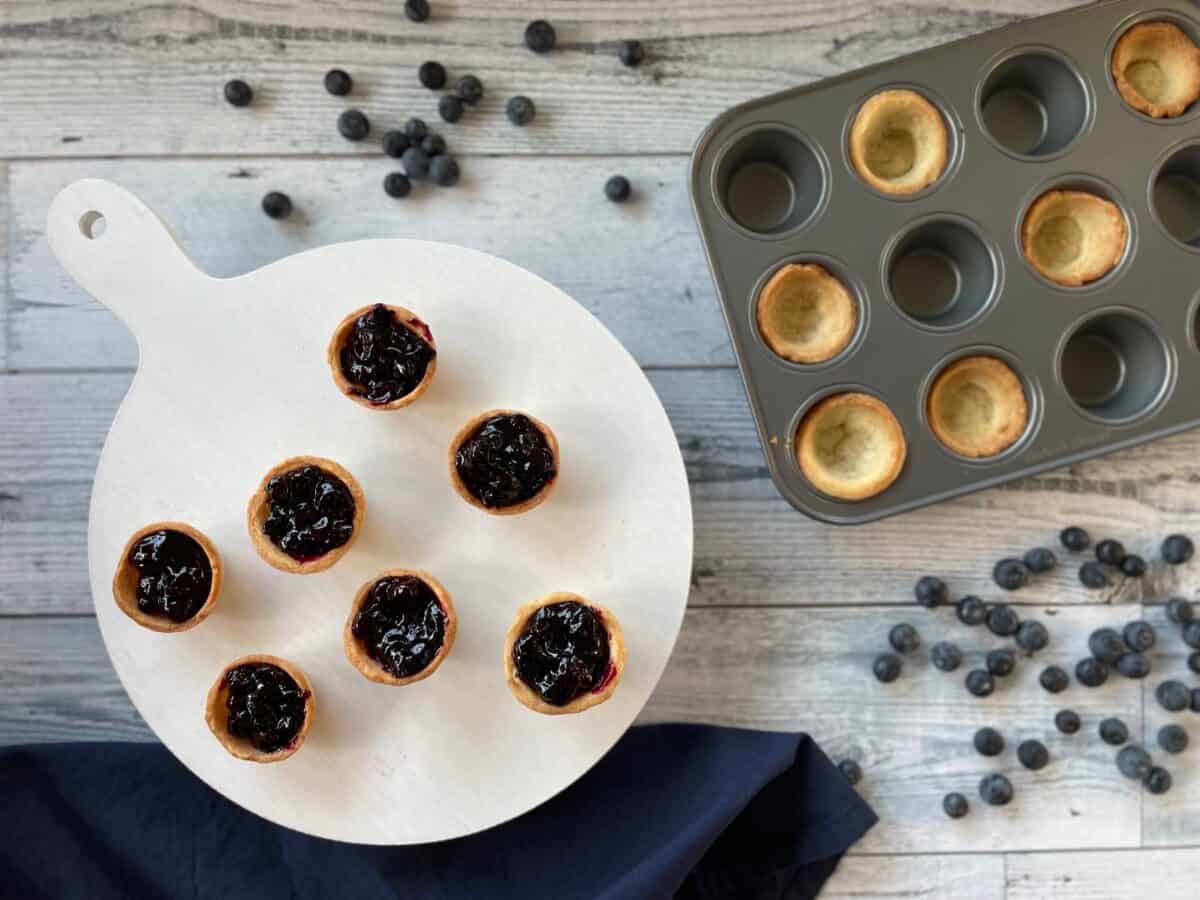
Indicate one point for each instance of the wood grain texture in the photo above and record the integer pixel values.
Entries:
(930, 877)
(145, 77)
(5, 223)
(1161, 874)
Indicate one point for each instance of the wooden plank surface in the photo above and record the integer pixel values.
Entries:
(1161, 874)
(930, 877)
(4, 228)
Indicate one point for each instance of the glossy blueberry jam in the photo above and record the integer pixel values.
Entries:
(265, 705)
(563, 652)
(384, 359)
(506, 461)
(401, 625)
(309, 512)
(174, 575)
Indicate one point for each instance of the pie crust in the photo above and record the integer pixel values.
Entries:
(256, 514)
(805, 314)
(357, 653)
(1156, 67)
(616, 657)
(409, 320)
(977, 406)
(517, 508)
(216, 716)
(850, 446)
(898, 142)
(125, 580)
(1073, 237)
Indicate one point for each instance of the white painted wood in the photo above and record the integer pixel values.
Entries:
(931, 877)
(5, 224)
(233, 379)
(1160, 874)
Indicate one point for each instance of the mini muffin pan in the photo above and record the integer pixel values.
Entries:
(940, 274)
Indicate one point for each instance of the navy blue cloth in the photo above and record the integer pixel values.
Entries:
(683, 811)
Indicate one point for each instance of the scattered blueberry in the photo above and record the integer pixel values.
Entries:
(416, 129)
(1033, 754)
(432, 75)
(931, 592)
(1177, 549)
(395, 143)
(852, 770)
(1139, 635)
(1133, 665)
(416, 163)
(1001, 662)
(1191, 635)
(904, 638)
(1110, 552)
(444, 170)
(989, 742)
(1196, 700)
(945, 656)
(1114, 731)
(433, 145)
(1194, 662)
(980, 683)
(617, 189)
(1106, 645)
(1180, 610)
(1010, 574)
(416, 10)
(520, 110)
(277, 205)
(1075, 539)
(450, 108)
(1173, 738)
(238, 93)
(1054, 679)
(1173, 696)
(469, 90)
(396, 184)
(1158, 780)
(338, 82)
(1093, 576)
(353, 125)
(887, 667)
(971, 610)
(1067, 721)
(955, 805)
(631, 53)
(1091, 672)
(540, 36)
(1133, 566)
(1003, 620)
(1032, 636)
(996, 790)
(1134, 762)
(1040, 560)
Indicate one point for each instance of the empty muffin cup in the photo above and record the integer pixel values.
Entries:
(769, 180)
(1176, 195)
(850, 446)
(1033, 104)
(977, 407)
(805, 314)
(1156, 68)
(941, 273)
(899, 143)
(1115, 367)
(1073, 237)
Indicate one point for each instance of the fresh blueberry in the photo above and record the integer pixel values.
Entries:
(1091, 672)
(1093, 576)
(416, 129)
(1173, 696)
(1158, 780)
(469, 90)
(1054, 679)
(1001, 662)
(1134, 762)
(416, 10)
(1067, 721)
(852, 770)
(996, 790)
(904, 638)
(1133, 566)
(1003, 620)
(887, 667)
(416, 163)
(1075, 539)
(1194, 662)
(433, 145)
(631, 53)
(450, 108)
(1106, 645)
(1173, 738)
(1032, 636)
(396, 184)
(353, 125)
(1196, 700)
(1110, 552)
(238, 93)
(338, 82)
(980, 683)
(1010, 574)
(520, 110)
(1191, 635)
(931, 592)
(395, 143)
(1114, 731)
(432, 75)
(1040, 560)
(971, 610)
(540, 36)
(277, 205)
(1177, 549)
(955, 805)
(945, 656)
(1133, 665)
(1139, 635)
(617, 189)
(444, 170)
(1180, 610)
(1033, 754)
(989, 742)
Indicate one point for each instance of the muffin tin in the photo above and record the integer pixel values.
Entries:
(940, 274)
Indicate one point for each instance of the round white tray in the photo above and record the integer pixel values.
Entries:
(233, 379)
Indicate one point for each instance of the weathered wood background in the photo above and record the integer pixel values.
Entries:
(786, 614)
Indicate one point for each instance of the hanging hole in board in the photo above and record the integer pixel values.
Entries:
(92, 224)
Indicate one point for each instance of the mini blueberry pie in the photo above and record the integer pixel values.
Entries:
(805, 314)
(504, 462)
(1156, 67)
(305, 514)
(1073, 237)
(401, 626)
(563, 654)
(168, 578)
(260, 708)
(850, 446)
(977, 406)
(382, 357)
(898, 142)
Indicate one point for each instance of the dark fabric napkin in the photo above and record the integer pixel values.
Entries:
(684, 811)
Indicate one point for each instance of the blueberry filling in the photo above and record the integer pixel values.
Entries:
(174, 575)
(382, 358)
(265, 705)
(505, 461)
(563, 653)
(310, 512)
(402, 625)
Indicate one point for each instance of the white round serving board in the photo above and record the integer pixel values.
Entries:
(233, 379)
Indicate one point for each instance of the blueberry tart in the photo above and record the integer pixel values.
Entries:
(382, 357)
(260, 708)
(401, 626)
(899, 144)
(1073, 238)
(168, 578)
(977, 407)
(563, 654)
(805, 314)
(306, 513)
(850, 446)
(1156, 68)
(504, 462)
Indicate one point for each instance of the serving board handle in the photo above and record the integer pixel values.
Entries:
(121, 253)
